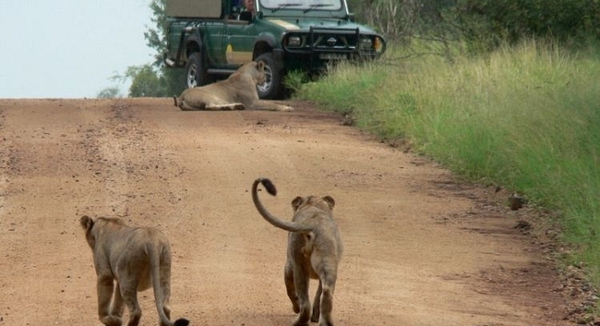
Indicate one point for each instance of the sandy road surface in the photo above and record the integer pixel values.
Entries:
(420, 249)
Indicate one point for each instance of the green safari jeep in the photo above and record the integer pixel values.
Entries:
(209, 38)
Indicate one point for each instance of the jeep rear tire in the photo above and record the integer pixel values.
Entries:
(272, 88)
(195, 71)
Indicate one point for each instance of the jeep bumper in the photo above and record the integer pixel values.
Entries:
(322, 45)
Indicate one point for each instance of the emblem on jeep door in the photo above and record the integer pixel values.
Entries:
(229, 53)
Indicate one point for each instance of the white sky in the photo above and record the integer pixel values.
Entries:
(70, 48)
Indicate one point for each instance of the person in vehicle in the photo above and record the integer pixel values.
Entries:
(249, 12)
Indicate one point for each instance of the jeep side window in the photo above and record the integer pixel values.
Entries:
(235, 8)
(242, 10)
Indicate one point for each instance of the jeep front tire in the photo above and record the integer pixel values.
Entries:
(272, 88)
(195, 71)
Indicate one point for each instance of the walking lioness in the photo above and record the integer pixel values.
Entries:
(136, 258)
(238, 92)
(314, 251)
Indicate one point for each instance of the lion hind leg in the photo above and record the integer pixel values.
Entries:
(226, 107)
(317, 304)
(326, 307)
(111, 320)
(129, 294)
(118, 305)
(290, 288)
(327, 271)
(105, 290)
(301, 282)
(184, 106)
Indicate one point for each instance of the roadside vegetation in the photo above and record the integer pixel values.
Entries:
(515, 108)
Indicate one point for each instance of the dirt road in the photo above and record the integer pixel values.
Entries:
(420, 248)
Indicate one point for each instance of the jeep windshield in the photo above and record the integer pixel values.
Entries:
(304, 5)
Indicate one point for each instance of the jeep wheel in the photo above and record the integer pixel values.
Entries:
(195, 71)
(271, 89)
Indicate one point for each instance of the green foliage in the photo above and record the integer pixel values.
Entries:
(171, 78)
(156, 37)
(145, 82)
(294, 80)
(493, 22)
(482, 24)
(388, 16)
(526, 117)
(352, 78)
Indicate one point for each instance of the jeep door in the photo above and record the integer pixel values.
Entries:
(214, 36)
(239, 42)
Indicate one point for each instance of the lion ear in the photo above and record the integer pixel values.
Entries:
(329, 200)
(260, 65)
(297, 202)
(86, 222)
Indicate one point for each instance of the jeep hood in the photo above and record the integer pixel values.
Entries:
(304, 24)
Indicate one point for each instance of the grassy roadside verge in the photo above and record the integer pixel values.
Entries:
(525, 117)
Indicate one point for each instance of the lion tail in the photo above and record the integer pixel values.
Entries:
(275, 221)
(269, 186)
(181, 322)
(154, 256)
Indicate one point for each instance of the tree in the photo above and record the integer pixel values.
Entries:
(518, 19)
(156, 38)
(155, 79)
(110, 92)
(146, 82)
(481, 25)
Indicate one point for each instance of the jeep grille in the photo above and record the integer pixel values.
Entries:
(326, 40)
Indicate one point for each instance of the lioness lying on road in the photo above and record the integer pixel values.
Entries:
(136, 258)
(314, 251)
(238, 92)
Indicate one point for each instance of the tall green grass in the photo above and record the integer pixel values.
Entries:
(525, 117)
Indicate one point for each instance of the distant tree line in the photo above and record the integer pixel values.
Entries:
(486, 23)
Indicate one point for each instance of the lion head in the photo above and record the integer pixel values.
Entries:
(256, 70)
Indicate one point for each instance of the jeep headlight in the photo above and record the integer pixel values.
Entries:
(294, 41)
(366, 43)
(378, 44)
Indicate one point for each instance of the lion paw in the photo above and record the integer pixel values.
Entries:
(111, 320)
